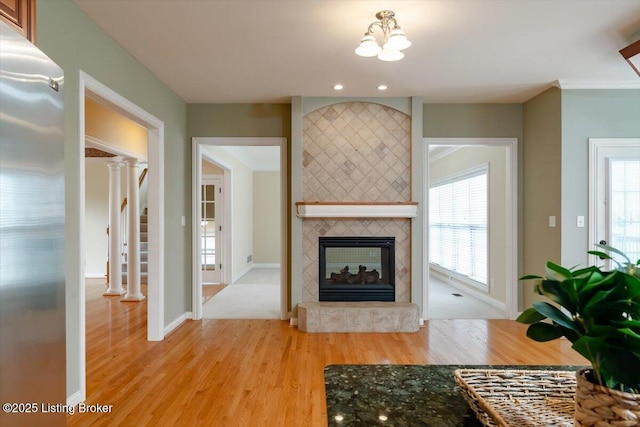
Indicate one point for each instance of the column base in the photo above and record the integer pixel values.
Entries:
(114, 292)
(133, 298)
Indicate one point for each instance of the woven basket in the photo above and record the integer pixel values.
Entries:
(598, 406)
(519, 398)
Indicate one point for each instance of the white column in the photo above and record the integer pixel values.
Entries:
(133, 237)
(115, 245)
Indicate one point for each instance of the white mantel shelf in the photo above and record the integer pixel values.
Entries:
(314, 209)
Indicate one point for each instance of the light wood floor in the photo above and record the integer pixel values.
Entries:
(209, 291)
(249, 373)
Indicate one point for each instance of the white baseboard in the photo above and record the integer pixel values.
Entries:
(266, 265)
(75, 399)
(177, 322)
(244, 271)
(91, 275)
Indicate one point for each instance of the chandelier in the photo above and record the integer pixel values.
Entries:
(394, 39)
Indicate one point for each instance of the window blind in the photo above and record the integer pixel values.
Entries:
(458, 224)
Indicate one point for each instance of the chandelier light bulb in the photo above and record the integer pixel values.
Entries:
(368, 46)
(397, 40)
(394, 39)
(390, 55)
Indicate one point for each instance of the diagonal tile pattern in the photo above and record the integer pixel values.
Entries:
(349, 149)
(356, 151)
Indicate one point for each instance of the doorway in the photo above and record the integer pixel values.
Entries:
(459, 169)
(155, 298)
(211, 226)
(614, 196)
(237, 257)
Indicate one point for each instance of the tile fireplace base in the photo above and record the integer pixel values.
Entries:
(358, 317)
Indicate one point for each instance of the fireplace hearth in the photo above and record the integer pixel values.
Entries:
(357, 269)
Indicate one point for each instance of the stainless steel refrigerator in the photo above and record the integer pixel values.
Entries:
(32, 222)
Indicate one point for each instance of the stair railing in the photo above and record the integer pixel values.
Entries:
(124, 224)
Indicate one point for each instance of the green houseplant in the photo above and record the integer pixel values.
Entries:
(599, 312)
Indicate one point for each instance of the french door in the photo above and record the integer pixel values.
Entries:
(210, 229)
(614, 199)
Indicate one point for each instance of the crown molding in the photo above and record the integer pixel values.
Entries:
(596, 84)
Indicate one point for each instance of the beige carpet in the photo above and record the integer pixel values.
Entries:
(256, 295)
(443, 304)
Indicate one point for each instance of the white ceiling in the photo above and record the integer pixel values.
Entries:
(255, 157)
(470, 51)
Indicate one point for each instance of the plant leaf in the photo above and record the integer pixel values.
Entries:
(542, 332)
(530, 277)
(600, 254)
(614, 250)
(554, 291)
(530, 315)
(556, 315)
(557, 272)
(615, 368)
(591, 348)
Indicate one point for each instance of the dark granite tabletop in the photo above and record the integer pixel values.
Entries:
(401, 395)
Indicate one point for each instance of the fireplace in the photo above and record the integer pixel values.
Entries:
(357, 269)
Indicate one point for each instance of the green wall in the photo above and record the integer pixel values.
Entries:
(239, 120)
(588, 114)
(542, 197)
(76, 43)
(472, 121)
(557, 127)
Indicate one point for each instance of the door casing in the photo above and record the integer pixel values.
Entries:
(601, 149)
(197, 156)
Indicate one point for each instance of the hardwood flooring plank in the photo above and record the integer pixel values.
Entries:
(249, 373)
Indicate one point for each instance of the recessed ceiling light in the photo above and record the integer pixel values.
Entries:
(382, 87)
(338, 86)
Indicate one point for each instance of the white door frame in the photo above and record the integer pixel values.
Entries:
(511, 226)
(155, 149)
(198, 143)
(598, 147)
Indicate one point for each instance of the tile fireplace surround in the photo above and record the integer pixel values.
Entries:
(358, 155)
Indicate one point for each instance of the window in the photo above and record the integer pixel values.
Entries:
(208, 227)
(458, 221)
(624, 207)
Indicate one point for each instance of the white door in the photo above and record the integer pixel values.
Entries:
(614, 199)
(210, 230)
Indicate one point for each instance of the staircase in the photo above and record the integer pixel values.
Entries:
(144, 253)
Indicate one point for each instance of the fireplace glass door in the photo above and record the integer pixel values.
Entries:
(357, 269)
